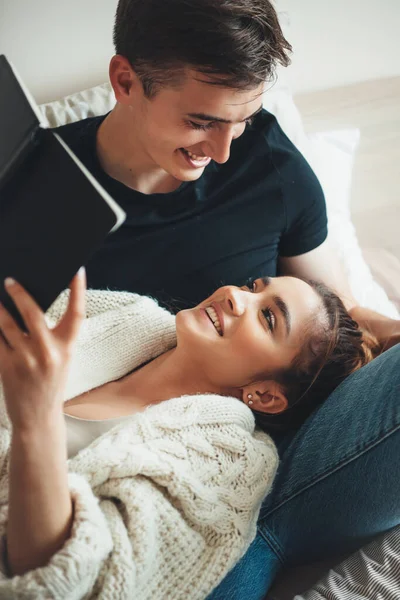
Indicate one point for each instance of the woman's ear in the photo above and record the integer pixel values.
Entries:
(266, 396)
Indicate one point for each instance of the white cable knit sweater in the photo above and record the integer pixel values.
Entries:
(166, 502)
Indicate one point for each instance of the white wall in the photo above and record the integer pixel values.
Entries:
(338, 42)
(58, 46)
(62, 47)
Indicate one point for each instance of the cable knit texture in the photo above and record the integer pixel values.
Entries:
(167, 501)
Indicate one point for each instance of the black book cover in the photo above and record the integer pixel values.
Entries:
(53, 213)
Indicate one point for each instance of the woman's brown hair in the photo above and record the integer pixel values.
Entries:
(332, 351)
(237, 42)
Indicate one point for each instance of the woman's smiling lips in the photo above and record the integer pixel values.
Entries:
(220, 317)
(204, 313)
(220, 314)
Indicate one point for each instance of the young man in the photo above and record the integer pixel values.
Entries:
(215, 193)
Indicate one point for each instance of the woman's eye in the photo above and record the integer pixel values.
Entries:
(251, 284)
(270, 318)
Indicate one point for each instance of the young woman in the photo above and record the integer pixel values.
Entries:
(165, 501)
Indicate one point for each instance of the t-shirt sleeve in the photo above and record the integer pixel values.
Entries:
(304, 203)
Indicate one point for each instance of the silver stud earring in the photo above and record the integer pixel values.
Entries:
(250, 396)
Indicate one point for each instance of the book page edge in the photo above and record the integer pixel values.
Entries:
(29, 97)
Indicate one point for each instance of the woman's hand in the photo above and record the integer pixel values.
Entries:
(34, 366)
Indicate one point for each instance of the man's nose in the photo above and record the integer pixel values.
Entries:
(220, 145)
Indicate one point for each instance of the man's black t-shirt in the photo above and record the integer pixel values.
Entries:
(229, 225)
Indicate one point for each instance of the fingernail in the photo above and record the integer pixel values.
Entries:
(9, 281)
(81, 271)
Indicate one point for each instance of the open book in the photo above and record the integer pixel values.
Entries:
(53, 213)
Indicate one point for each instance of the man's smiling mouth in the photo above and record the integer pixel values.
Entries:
(194, 156)
(194, 160)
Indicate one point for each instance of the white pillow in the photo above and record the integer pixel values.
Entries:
(332, 158)
(75, 107)
(330, 155)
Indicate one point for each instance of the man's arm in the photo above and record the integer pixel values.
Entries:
(322, 264)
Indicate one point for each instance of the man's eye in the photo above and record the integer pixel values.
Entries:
(210, 125)
(270, 318)
(200, 126)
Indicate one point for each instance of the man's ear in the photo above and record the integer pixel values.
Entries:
(265, 396)
(123, 78)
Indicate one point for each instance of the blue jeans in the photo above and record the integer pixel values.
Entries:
(338, 484)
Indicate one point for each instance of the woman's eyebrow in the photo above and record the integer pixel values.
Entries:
(266, 281)
(281, 304)
(204, 117)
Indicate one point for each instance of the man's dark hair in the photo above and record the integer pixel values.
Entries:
(237, 42)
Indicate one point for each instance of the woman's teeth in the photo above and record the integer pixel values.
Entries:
(214, 318)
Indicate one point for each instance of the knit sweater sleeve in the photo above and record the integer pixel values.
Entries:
(121, 331)
(165, 505)
(97, 302)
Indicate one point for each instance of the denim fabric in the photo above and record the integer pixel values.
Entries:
(338, 484)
